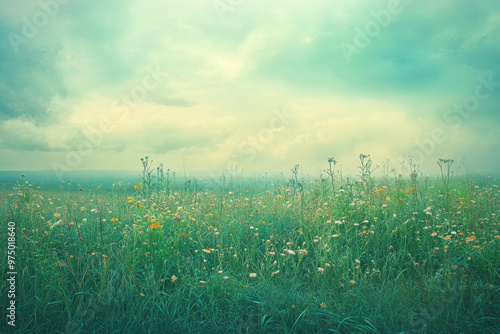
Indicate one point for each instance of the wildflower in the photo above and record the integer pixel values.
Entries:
(275, 273)
(142, 295)
(177, 217)
(57, 215)
(158, 226)
(173, 278)
(468, 259)
(434, 234)
(114, 220)
(130, 200)
(253, 275)
(291, 252)
(352, 282)
(207, 251)
(226, 277)
(470, 239)
(104, 256)
(321, 270)
(303, 252)
(323, 305)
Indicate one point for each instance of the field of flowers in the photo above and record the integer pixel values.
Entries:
(391, 254)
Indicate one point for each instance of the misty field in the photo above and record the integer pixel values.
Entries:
(285, 254)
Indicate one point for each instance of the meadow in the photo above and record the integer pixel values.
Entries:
(385, 252)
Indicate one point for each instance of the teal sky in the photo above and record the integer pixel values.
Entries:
(263, 85)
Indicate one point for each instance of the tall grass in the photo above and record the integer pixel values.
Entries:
(385, 255)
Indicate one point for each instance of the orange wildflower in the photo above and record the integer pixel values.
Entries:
(469, 239)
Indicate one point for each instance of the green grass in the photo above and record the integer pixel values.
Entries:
(384, 258)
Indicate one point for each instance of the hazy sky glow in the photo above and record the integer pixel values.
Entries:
(265, 84)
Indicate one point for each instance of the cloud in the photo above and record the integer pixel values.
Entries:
(29, 81)
(223, 78)
(22, 135)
